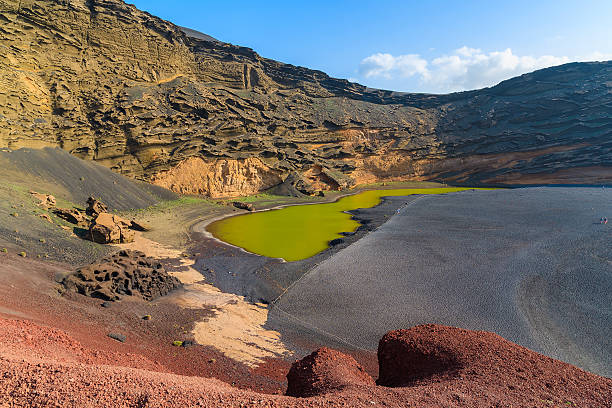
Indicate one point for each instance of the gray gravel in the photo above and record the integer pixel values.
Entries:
(533, 265)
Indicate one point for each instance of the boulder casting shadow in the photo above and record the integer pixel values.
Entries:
(407, 356)
(323, 371)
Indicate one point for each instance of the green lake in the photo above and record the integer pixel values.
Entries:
(301, 231)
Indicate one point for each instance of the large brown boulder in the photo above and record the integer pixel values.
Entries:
(108, 228)
(125, 273)
(95, 207)
(323, 371)
(72, 215)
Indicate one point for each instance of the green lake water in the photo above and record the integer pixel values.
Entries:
(301, 231)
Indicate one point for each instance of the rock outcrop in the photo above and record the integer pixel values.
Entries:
(221, 178)
(46, 201)
(95, 207)
(125, 273)
(243, 206)
(72, 215)
(110, 83)
(108, 228)
(323, 371)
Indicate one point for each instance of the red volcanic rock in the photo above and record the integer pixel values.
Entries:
(406, 356)
(478, 367)
(323, 371)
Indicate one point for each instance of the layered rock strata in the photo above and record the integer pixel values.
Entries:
(108, 82)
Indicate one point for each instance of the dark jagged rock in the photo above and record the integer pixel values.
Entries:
(72, 215)
(110, 83)
(243, 206)
(125, 273)
(118, 336)
(139, 226)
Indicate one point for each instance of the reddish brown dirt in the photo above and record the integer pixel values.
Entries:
(502, 372)
(29, 291)
(54, 351)
(323, 371)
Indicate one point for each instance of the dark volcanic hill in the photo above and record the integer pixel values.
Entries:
(108, 82)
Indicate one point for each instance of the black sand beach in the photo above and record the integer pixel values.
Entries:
(533, 265)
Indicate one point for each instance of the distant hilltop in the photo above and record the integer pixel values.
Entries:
(146, 98)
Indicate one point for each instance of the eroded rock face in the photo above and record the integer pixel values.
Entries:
(110, 83)
(323, 371)
(220, 178)
(108, 228)
(72, 215)
(95, 207)
(125, 273)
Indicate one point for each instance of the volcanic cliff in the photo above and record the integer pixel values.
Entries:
(146, 98)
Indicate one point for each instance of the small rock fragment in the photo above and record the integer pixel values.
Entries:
(243, 206)
(22, 254)
(118, 336)
(146, 317)
(46, 217)
(139, 226)
(177, 343)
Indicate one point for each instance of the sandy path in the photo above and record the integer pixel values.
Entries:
(237, 327)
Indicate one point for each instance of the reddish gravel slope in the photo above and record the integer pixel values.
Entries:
(42, 366)
(54, 352)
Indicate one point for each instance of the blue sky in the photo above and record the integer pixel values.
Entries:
(418, 46)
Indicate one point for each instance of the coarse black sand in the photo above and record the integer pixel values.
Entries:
(532, 264)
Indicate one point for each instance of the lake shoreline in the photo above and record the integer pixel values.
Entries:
(274, 232)
(262, 279)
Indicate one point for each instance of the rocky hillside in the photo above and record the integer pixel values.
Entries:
(108, 82)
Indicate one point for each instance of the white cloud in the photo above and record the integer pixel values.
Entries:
(465, 68)
(388, 66)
